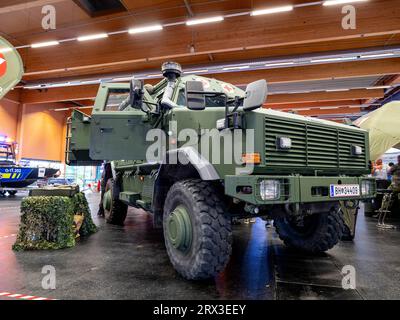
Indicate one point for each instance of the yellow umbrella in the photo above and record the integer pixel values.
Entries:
(383, 125)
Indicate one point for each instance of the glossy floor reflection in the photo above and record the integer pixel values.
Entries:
(130, 262)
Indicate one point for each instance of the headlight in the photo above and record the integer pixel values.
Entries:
(269, 189)
(220, 124)
(366, 187)
(284, 143)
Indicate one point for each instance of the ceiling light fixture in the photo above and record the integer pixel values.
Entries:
(236, 68)
(122, 79)
(156, 27)
(333, 59)
(378, 55)
(90, 81)
(335, 2)
(197, 71)
(204, 20)
(277, 64)
(378, 87)
(328, 108)
(93, 37)
(35, 87)
(44, 44)
(271, 10)
(337, 90)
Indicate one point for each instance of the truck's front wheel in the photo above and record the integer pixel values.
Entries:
(197, 230)
(114, 209)
(314, 233)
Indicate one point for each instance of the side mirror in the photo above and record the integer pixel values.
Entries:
(136, 94)
(256, 94)
(195, 97)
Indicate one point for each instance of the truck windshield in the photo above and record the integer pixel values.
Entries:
(114, 99)
(7, 153)
(211, 101)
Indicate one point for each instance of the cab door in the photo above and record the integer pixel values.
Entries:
(114, 134)
(78, 140)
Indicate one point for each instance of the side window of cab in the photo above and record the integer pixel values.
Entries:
(181, 100)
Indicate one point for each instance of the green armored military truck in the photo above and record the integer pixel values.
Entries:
(196, 152)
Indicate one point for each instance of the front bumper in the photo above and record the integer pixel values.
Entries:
(293, 189)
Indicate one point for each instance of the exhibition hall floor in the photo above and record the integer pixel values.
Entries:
(131, 262)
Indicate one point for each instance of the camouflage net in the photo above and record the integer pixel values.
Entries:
(50, 222)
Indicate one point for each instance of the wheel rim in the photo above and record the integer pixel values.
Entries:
(179, 229)
(107, 200)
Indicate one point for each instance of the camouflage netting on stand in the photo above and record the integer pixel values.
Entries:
(81, 208)
(52, 222)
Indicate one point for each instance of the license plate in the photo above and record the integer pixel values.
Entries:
(344, 190)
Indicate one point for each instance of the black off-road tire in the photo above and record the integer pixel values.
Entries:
(211, 244)
(118, 209)
(12, 193)
(325, 231)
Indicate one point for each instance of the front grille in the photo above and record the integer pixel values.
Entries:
(313, 145)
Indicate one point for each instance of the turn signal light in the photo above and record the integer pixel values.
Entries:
(254, 158)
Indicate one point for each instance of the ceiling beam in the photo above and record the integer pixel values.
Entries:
(317, 112)
(59, 94)
(89, 92)
(325, 96)
(239, 34)
(395, 80)
(18, 5)
(312, 112)
(315, 72)
(13, 96)
(297, 105)
(304, 73)
(188, 8)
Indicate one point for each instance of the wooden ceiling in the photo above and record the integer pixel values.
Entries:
(312, 29)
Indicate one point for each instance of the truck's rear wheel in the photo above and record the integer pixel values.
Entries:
(12, 193)
(114, 209)
(197, 230)
(316, 233)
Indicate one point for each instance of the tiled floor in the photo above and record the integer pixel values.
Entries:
(130, 262)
